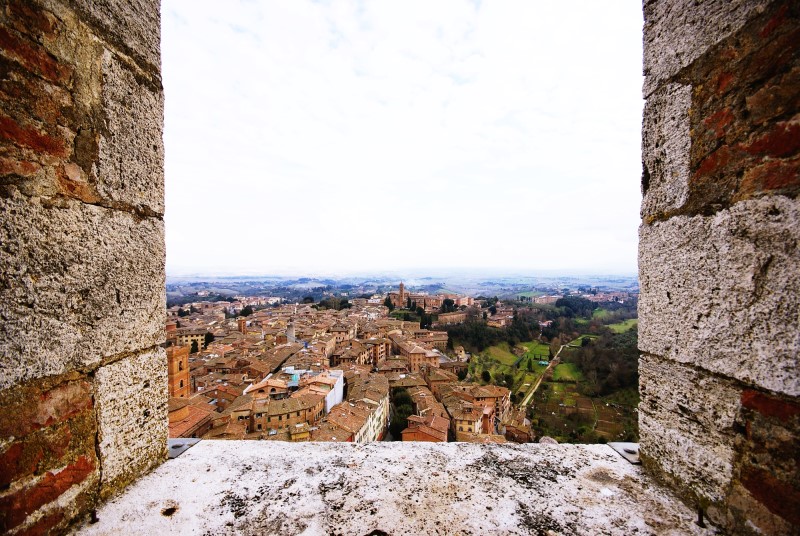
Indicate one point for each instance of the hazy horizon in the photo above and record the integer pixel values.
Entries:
(411, 272)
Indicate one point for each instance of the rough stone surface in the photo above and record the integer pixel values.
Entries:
(78, 120)
(736, 134)
(78, 283)
(130, 165)
(687, 420)
(81, 253)
(47, 452)
(720, 292)
(676, 33)
(134, 25)
(665, 149)
(718, 259)
(131, 398)
(260, 487)
(685, 458)
(766, 490)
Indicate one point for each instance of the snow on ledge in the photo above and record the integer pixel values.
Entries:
(269, 487)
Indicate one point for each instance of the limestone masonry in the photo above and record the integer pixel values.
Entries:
(718, 259)
(83, 391)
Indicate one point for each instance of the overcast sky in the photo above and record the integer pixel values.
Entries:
(355, 136)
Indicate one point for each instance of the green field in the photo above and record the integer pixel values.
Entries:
(537, 349)
(530, 294)
(502, 354)
(499, 361)
(567, 372)
(622, 327)
(624, 397)
(561, 412)
(600, 314)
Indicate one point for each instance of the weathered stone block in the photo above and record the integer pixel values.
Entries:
(130, 164)
(78, 283)
(686, 420)
(666, 142)
(685, 456)
(134, 25)
(131, 399)
(680, 392)
(678, 32)
(720, 292)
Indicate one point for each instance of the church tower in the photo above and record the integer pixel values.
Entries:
(402, 296)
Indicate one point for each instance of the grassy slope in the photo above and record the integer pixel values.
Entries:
(567, 372)
(624, 326)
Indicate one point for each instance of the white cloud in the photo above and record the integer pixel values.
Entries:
(351, 136)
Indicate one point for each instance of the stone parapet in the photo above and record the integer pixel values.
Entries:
(261, 487)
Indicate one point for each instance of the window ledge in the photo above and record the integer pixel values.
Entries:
(261, 487)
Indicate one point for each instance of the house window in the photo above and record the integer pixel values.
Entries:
(180, 365)
(259, 427)
(181, 383)
(460, 428)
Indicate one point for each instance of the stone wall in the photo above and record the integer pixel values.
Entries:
(82, 376)
(718, 258)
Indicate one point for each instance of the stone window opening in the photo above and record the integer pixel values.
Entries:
(720, 204)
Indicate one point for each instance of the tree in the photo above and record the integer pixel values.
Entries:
(408, 303)
(448, 306)
(555, 345)
(462, 374)
(401, 398)
(400, 421)
(388, 303)
(194, 349)
(208, 338)
(308, 299)
(486, 376)
(493, 309)
(246, 311)
(183, 313)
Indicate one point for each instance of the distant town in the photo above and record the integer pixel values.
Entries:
(329, 362)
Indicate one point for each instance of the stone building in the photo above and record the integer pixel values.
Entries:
(83, 394)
